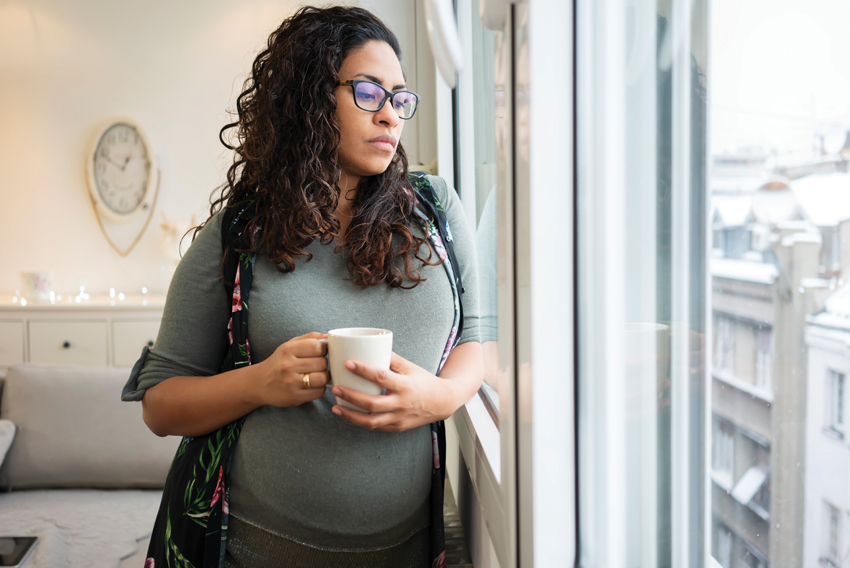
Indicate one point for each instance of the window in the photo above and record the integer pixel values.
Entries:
(724, 349)
(723, 553)
(832, 547)
(642, 246)
(764, 358)
(527, 345)
(723, 456)
(835, 400)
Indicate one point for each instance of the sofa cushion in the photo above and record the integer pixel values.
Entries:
(74, 431)
(7, 434)
(91, 528)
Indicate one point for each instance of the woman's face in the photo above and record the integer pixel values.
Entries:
(369, 139)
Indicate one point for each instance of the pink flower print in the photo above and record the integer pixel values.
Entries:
(436, 450)
(219, 488)
(237, 293)
(149, 563)
(230, 331)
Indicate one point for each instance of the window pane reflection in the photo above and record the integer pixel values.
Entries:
(642, 287)
(489, 115)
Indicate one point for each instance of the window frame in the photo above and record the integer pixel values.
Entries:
(527, 526)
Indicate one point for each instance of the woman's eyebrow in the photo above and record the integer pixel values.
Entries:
(378, 81)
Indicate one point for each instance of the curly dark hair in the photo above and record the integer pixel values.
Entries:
(286, 155)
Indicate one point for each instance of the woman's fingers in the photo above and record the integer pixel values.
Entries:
(382, 377)
(309, 346)
(310, 364)
(381, 421)
(399, 364)
(318, 380)
(368, 402)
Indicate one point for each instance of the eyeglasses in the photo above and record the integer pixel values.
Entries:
(371, 97)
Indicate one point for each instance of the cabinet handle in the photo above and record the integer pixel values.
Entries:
(66, 345)
(150, 343)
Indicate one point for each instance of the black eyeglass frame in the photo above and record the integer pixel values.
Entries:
(387, 95)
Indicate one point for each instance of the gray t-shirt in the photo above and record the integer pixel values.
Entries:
(302, 472)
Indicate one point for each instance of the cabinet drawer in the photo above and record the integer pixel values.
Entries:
(128, 339)
(11, 343)
(70, 342)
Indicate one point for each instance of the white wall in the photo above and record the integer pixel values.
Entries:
(827, 458)
(174, 68)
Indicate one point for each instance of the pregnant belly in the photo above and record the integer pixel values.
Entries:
(309, 475)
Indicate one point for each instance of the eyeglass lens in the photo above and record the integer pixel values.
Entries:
(370, 96)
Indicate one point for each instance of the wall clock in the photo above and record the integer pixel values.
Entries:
(123, 182)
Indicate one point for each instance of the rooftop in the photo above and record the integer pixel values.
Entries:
(744, 270)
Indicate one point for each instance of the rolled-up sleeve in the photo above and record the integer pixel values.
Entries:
(463, 240)
(192, 339)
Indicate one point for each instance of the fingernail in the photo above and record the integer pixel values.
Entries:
(337, 391)
(350, 365)
(337, 411)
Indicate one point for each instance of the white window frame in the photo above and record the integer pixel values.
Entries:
(528, 501)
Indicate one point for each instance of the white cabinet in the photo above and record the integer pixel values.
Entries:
(129, 337)
(11, 342)
(74, 342)
(100, 331)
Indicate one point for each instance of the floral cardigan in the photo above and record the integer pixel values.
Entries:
(191, 525)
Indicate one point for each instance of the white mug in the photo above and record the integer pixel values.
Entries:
(368, 345)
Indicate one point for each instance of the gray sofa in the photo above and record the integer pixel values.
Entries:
(83, 472)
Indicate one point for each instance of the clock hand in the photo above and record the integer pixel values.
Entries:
(126, 160)
(108, 159)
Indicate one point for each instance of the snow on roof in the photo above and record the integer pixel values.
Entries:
(801, 237)
(758, 272)
(836, 312)
(824, 197)
(839, 303)
(732, 209)
(772, 206)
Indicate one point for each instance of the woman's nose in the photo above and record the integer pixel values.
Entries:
(387, 115)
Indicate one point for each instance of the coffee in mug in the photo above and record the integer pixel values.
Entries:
(368, 345)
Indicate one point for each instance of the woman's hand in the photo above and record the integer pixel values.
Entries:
(282, 382)
(414, 397)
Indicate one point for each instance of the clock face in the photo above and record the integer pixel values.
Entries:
(122, 168)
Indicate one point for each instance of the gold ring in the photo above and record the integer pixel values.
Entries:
(306, 380)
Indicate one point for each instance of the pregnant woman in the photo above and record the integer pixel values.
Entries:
(319, 226)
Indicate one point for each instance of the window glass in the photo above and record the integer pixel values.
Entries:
(490, 132)
(643, 343)
(780, 276)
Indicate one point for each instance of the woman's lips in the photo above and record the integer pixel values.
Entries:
(383, 145)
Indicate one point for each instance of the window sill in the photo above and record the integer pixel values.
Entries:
(833, 433)
(729, 379)
(482, 435)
